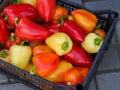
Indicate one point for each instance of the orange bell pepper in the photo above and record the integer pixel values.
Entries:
(45, 63)
(58, 75)
(59, 12)
(76, 75)
(87, 20)
(41, 49)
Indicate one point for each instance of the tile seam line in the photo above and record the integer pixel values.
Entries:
(108, 71)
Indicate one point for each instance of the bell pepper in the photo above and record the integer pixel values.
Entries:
(58, 75)
(59, 42)
(4, 34)
(4, 55)
(87, 20)
(15, 1)
(101, 32)
(92, 43)
(73, 30)
(60, 11)
(20, 55)
(41, 49)
(54, 28)
(28, 30)
(12, 40)
(31, 68)
(45, 63)
(31, 2)
(76, 75)
(46, 9)
(78, 56)
(17, 11)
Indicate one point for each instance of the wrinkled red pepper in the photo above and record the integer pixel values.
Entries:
(28, 30)
(78, 56)
(46, 9)
(4, 34)
(14, 11)
(73, 30)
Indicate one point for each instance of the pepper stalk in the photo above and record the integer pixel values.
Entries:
(92, 43)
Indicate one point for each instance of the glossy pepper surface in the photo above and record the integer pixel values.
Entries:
(78, 56)
(14, 11)
(87, 20)
(59, 42)
(58, 75)
(76, 75)
(45, 63)
(73, 30)
(92, 43)
(20, 55)
(38, 49)
(4, 34)
(28, 30)
(59, 12)
(46, 8)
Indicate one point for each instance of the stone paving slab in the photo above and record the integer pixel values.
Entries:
(118, 29)
(3, 78)
(92, 85)
(17, 86)
(104, 4)
(110, 60)
(109, 81)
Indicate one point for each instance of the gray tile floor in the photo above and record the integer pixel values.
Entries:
(108, 74)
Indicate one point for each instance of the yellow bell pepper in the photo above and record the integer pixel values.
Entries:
(92, 43)
(20, 55)
(31, 2)
(58, 75)
(60, 42)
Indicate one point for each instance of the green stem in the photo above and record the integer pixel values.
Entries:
(97, 41)
(12, 37)
(32, 70)
(16, 21)
(61, 20)
(4, 54)
(65, 45)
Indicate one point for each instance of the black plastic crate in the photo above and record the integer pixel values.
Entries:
(106, 18)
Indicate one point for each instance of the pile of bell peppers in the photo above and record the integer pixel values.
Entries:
(49, 41)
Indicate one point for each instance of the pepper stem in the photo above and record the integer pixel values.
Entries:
(6, 18)
(98, 27)
(22, 43)
(65, 45)
(12, 37)
(16, 21)
(32, 70)
(61, 20)
(4, 54)
(97, 41)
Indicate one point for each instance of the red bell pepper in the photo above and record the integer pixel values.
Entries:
(28, 30)
(54, 28)
(12, 40)
(73, 30)
(46, 9)
(76, 75)
(78, 56)
(4, 34)
(14, 11)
